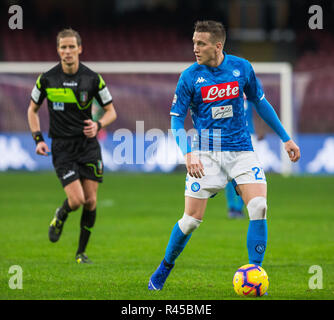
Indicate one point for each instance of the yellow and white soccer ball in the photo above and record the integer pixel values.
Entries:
(250, 280)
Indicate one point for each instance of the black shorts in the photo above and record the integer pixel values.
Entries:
(77, 158)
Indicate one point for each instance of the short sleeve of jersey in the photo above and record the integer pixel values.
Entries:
(253, 88)
(103, 95)
(182, 97)
(38, 93)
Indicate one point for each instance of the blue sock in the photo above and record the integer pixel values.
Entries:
(176, 244)
(257, 241)
(233, 200)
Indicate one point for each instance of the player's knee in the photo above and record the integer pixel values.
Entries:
(188, 224)
(90, 202)
(76, 201)
(257, 208)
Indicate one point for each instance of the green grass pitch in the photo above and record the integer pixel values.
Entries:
(136, 213)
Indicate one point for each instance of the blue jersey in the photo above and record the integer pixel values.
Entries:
(215, 99)
(249, 107)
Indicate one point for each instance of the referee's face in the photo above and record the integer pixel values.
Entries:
(69, 50)
(205, 50)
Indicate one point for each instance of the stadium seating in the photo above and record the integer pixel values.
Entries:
(119, 44)
(317, 108)
(164, 44)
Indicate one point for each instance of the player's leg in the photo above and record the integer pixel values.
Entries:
(91, 174)
(74, 199)
(196, 196)
(88, 217)
(255, 198)
(182, 231)
(234, 202)
(180, 235)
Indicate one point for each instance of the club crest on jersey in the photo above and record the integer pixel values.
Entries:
(236, 72)
(83, 97)
(221, 91)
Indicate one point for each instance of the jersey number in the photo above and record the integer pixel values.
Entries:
(259, 173)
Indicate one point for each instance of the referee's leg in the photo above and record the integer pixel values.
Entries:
(88, 215)
(74, 199)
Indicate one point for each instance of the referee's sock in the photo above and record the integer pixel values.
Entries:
(86, 224)
(64, 211)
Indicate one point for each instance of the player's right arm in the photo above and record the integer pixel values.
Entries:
(181, 102)
(37, 97)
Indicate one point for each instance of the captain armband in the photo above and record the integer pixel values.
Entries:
(37, 136)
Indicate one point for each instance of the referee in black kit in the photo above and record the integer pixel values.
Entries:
(70, 88)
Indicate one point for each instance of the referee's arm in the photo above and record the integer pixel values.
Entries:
(91, 128)
(35, 128)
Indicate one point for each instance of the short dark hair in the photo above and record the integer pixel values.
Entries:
(68, 32)
(216, 29)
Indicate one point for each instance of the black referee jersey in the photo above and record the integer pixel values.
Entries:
(70, 98)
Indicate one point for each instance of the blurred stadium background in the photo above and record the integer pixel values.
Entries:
(160, 31)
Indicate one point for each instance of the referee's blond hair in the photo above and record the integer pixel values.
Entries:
(68, 32)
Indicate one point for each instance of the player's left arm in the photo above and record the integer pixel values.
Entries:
(254, 92)
(268, 114)
(93, 127)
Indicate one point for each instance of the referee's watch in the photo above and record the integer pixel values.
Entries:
(99, 125)
(37, 136)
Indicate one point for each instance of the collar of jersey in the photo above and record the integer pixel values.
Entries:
(70, 75)
(221, 66)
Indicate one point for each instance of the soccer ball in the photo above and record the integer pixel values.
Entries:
(250, 280)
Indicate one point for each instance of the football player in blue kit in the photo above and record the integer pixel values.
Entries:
(213, 89)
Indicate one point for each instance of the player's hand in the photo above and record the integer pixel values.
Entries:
(194, 165)
(42, 149)
(91, 128)
(293, 150)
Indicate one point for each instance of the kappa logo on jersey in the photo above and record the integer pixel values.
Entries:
(200, 80)
(222, 91)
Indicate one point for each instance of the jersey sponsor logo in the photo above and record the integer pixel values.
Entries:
(200, 80)
(222, 91)
(105, 95)
(70, 84)
(222, 112)
(35, 94)
(58, 106)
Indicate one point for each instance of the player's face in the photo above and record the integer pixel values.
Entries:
(69, 50)
(205, 50)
